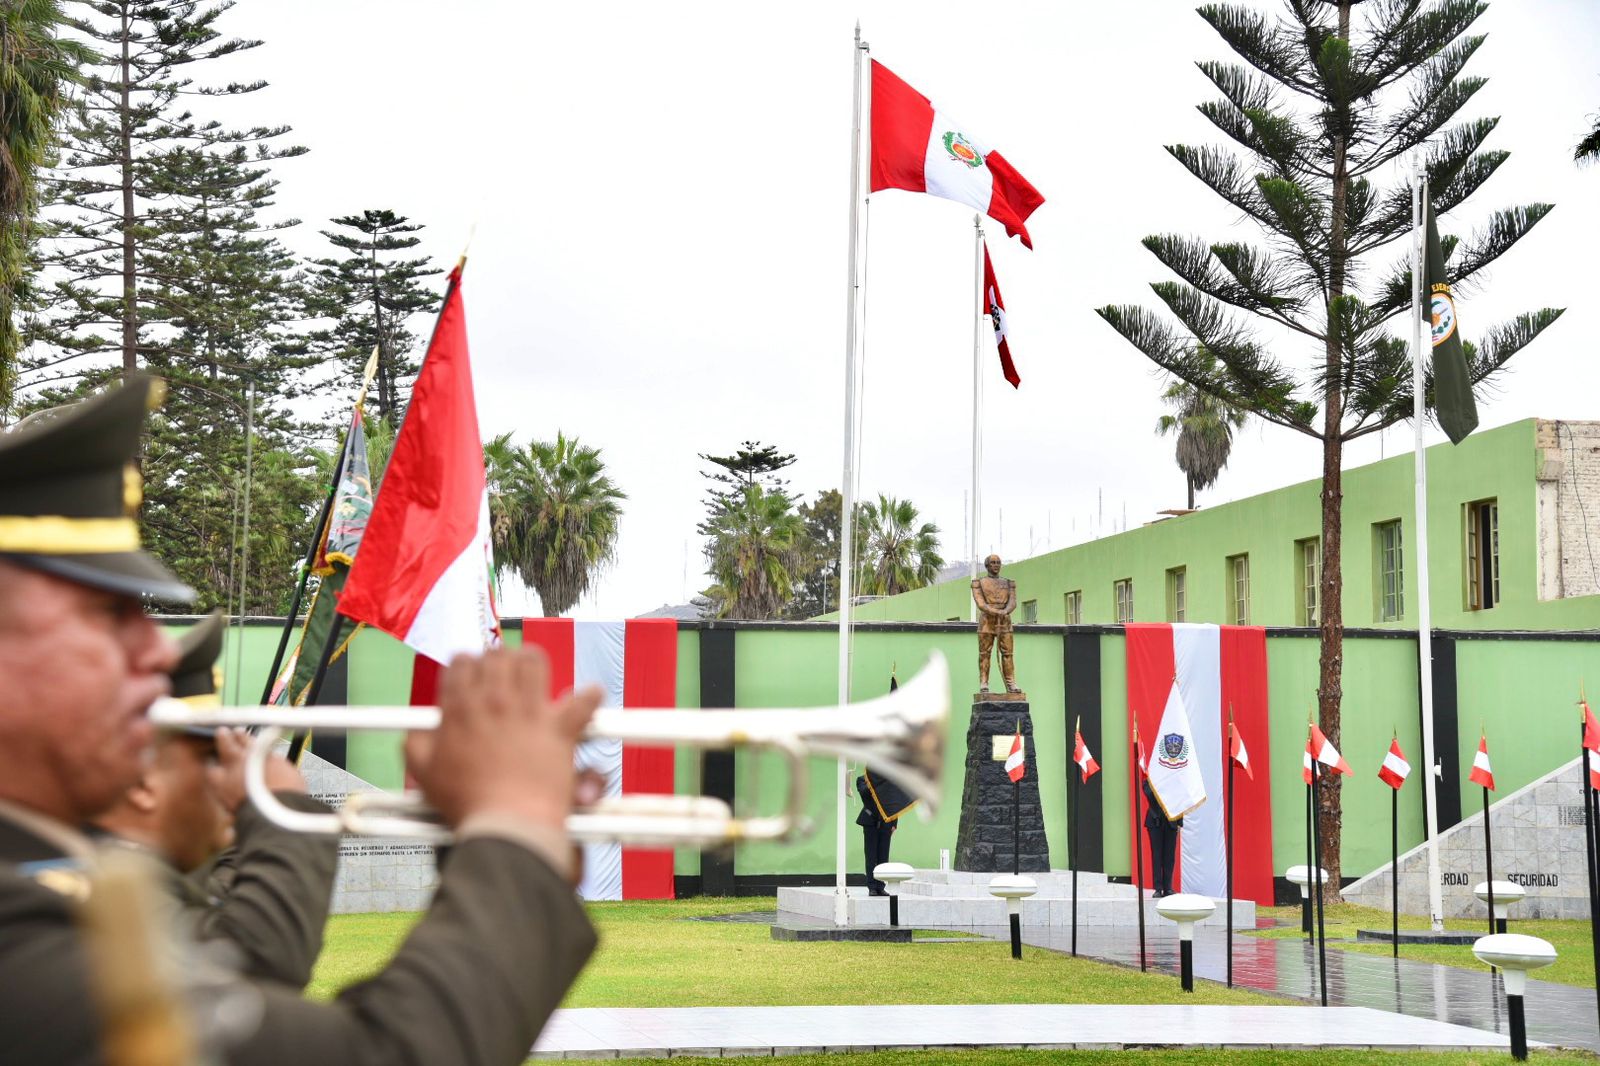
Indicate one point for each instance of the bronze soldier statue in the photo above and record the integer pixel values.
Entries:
(996, 598)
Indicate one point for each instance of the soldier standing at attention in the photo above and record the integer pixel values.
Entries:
(80, 663)
(996, 598)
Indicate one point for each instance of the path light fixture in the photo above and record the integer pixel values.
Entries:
(1186, 908)
(1505, 894)
(892, 874)
(1301, 876)
(1515, 954)
(1013, 888)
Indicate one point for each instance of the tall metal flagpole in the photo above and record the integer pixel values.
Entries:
(841, 899)
(977, 396)
(1419, 200)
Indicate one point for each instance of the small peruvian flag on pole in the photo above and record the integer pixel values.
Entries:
(1591, 744)
(1481, 773)
(1081, 754)
(1322, 750)
(1016, 765)
(1395, 769)
(1236, 749)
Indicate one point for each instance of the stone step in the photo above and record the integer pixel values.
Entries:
(971, 877)
(1054, 889)
(941, 912)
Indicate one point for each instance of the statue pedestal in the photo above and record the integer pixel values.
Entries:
(984, 840)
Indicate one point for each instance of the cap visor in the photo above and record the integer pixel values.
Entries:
(128, 573)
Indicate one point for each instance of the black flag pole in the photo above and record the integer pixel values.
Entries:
(1138, 842)
(1316, 879)
(297, 745)
(1228, 842)
(1394, 866)
(1072, 839)
(1589, 810)
(1488, 858)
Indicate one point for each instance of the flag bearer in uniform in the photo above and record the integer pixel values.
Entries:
(241, 878)
(79, 664)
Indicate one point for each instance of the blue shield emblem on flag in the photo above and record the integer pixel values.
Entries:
(1174, 751)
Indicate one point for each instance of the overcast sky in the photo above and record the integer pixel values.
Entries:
(659, 195)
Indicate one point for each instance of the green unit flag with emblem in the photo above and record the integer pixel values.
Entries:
(1453, 404)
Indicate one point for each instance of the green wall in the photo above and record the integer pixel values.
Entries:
(1521, 691)
(1499, 464)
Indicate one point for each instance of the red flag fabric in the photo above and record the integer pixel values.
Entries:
(423, 572)
(1237, 751)
(1016, 762)
(1320, 748)
(1082, 756)
(1481, 773)
(917, 148)
(994, 305)
(1395, 769)
(1591, 742)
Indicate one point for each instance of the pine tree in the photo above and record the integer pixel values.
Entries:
(753, 463)
(370, 294)
(132, 115)
(1324, 114)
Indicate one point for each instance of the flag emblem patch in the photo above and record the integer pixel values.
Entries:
(1174, 751)
(1444, 318)
(961, 149)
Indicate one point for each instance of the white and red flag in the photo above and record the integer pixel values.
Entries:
(1174, 768)
(1481, 773)
(1016, 761)
(994, 305)
(1081, 754)
(1591, 744)
(1217, 668)
(635, 663)
(1395, 769)
(423, 572)
(1237, 751)
(918, 148)
(1320, 748)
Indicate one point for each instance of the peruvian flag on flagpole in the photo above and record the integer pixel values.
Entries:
(1395, 769)
(1481, 773)
(995, 307)
(1591, 744)
(423, 572)
(918, 148)
(1016, 762)
(1320, 748)
(1236, 749)
(1081, 754)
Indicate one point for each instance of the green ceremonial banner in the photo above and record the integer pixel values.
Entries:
(1452, 383)
(347, 522)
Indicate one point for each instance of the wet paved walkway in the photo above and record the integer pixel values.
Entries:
(1556, 1013)
(631, 1032)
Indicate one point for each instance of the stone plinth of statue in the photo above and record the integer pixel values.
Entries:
(984, 841)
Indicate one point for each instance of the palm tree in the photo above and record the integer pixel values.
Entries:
(756, 554)
(554, 515)
(900, 554)
(36, 69)
(1588, 150)
(1204, 425)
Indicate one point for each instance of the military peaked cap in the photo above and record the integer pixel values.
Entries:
(69, 490)
(195, 679)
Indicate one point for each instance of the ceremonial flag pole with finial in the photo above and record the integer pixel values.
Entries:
(1393, 773)
(1083, 760)
(1588, 781)
(1316, 880)
(1483, 775)
(1138, 833)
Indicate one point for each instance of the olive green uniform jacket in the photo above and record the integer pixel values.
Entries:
(472, 985)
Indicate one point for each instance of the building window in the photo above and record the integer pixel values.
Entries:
(1122, 596)
(1177, 594)
(1483, 555)
(1308, 579)
(1238, 571)
(1075, 607)
(1391, 571)
(1030, 611)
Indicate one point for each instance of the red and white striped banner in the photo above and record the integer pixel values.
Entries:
(1217, 667)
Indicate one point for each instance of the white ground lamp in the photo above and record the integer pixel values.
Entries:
(1301, 876)
(1504, 894)
(1185, 908)
(892, 874)
(1013, 888)
(1515, 954)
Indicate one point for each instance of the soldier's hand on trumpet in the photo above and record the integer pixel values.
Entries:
(503, 748)
(227, 777)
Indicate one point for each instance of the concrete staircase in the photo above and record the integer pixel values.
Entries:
(956, 899)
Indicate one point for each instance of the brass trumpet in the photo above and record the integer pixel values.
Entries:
(900, 735)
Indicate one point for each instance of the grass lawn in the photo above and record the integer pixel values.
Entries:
(1198, 1057)
(1574, 964)
(650, 957)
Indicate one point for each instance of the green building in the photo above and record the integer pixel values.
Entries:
(1513, 515)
